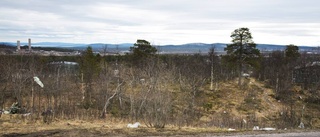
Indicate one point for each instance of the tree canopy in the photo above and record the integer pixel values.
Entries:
(142, 48)
(292, 52)
(89, 65)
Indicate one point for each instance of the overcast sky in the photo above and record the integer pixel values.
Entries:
(160, 21)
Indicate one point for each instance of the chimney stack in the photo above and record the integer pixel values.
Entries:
(29, 44)
(18, 45)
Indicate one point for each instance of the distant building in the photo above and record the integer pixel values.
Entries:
(29, 44)
(309, 74)
(18, 45)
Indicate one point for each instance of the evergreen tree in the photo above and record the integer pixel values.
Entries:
(142, 48)
(243, 50)
(89, 69)
(142, 53)
(292, 52)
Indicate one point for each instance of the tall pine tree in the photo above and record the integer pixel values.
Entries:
(242, 50)
(89, 70)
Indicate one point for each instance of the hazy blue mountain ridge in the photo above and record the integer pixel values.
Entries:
(170, 49)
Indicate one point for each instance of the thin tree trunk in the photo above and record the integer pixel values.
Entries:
(211, 81)
(240, 75)
(32, 97)
(108, 101)
(39, 99)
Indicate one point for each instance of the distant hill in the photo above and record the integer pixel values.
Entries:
(5, 45)
(164, 49)
(219, 48)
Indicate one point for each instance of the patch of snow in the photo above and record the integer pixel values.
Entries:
(135, 125)
(6, 112)
(255, 128)
(244, 121)
(245, 75)
(26, 114)
(263, 129)
(301, 125)
(268, 129)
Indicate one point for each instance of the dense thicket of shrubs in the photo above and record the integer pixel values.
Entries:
(158, 89)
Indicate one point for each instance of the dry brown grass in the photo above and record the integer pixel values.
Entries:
(106, 128)
(254, 99)
(95, 128)
(227, 98)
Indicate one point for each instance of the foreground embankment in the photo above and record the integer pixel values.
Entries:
(119, 128)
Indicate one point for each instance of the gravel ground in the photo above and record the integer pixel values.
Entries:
(302, 134)
(295, 134)
(259, 134)
(121, 133)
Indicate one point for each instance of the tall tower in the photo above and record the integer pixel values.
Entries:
(29, 44)
(18, 45)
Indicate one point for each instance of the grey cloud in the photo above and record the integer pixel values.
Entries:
(102, 18)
